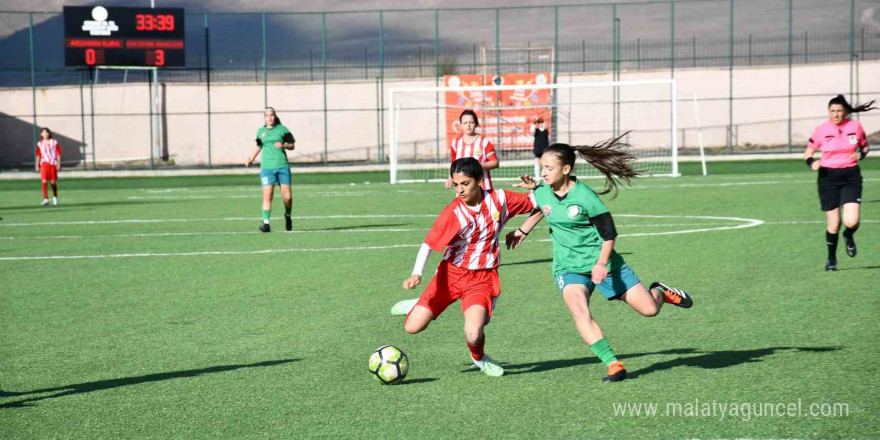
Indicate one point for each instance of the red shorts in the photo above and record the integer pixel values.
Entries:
(48, 172)
(450, 283)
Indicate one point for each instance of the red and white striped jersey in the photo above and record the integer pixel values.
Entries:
(480, 149)
(472, 237)
(49, 152)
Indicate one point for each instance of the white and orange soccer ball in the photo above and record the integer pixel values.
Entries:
(389, 365)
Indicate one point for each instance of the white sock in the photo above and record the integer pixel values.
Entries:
(265, 221)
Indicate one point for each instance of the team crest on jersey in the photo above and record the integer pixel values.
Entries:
(547, 210)
(853, 139)
(573, 211)
(496, 216)
(263, 134)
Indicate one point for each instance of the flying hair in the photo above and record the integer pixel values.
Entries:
(841, 100)
(609, 156)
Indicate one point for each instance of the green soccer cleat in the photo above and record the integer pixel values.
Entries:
(489, 366)
(403, 307)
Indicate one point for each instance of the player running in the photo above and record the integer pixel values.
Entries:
(468, 228)
(471, 144)
(843, 144)
(48, 164)
(583, 236)
(274, 168)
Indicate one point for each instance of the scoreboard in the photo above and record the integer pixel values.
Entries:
(125, 37)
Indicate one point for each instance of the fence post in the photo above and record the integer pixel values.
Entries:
(671, 39)
(750, 49)
(82, 113)
(324, 76)
(694, 50)
(366, 71)
(265, 71)
(208, 78)
(730, 91)
(437, 78)
(790, 48)
(852, 44)
(583, 53)
(382, 84)
(33, 77)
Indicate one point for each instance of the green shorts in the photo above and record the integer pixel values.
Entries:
(275, 176)
(615, 284)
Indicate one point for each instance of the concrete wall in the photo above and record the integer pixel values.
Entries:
(122, 121)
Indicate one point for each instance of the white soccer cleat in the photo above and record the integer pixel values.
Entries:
(403, 307)
(55, 201)
(489, 366)
(45, 202)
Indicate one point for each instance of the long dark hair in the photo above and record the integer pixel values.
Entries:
(468, 166)
(608, 156)
(841, 100)
(277, 119)
(472, 113)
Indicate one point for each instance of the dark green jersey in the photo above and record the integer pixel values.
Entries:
(576, 242)
(266, 138)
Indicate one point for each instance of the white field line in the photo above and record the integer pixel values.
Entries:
(312, 231)
(183, 220)
(195, 254)
(745, 223)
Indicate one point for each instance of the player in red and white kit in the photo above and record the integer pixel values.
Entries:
(48, 164)
(468, 228)
(471, 144)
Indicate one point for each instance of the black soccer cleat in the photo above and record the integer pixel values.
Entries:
(265, 228)
(831, 266)
(851, 247)
(616, 372)
(288, 222)
(674, 296)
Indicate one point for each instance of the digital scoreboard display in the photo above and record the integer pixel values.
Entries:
(117, 36)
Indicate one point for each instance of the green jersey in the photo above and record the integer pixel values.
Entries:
(266, 138)
(576, 242)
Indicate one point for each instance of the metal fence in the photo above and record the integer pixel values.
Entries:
(332, 48)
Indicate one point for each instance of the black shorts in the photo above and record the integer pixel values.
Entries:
(838, 186)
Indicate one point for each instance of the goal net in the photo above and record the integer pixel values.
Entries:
(424, 122)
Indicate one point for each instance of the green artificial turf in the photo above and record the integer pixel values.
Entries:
(153, 308)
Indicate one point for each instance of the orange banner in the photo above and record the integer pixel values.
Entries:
(507, 114)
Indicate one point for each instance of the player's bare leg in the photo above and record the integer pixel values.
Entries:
(475, 319)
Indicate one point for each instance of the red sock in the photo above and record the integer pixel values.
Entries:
(45, 190)
(477, 350)
(54, 190)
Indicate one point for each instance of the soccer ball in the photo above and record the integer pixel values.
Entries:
(389, 365)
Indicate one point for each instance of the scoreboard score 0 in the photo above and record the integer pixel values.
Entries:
(124, 37)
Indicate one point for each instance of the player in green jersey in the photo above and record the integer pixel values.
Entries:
(583, 235)
(274, 168)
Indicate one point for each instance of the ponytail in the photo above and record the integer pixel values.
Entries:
(608, 156)
(841, 100)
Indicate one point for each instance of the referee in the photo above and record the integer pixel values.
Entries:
(843, 144)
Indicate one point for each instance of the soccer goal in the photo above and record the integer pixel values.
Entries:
(424, 122)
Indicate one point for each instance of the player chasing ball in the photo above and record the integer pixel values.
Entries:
(274, 167)
(583, 235)
(468, 228)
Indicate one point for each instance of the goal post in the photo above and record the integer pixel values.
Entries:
(583, 113)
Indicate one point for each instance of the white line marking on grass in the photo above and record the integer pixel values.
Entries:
(812, 222)
(196, 254)
(180, 220)
(745, 223)
(310, 231)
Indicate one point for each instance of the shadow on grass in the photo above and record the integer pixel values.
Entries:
(417, 381)
(859, 268)
(703, 359)
(542, 260)
(100, 385)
